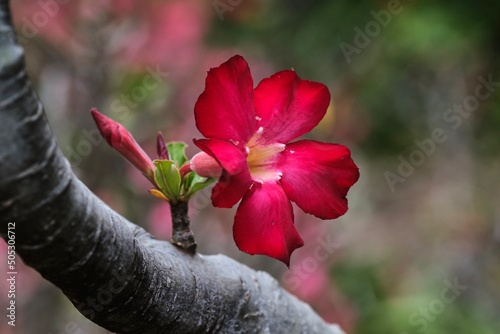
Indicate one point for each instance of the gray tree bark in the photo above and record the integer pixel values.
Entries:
(114, 272)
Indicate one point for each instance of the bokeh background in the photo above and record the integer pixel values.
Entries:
(415, 88)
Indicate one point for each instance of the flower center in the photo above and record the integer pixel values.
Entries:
(261, 159)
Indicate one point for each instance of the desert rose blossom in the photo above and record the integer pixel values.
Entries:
(248, 133)
(121, 140)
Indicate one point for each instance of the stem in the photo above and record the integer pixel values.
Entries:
(182, 235)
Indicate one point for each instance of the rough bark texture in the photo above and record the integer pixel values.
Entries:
(113, 271)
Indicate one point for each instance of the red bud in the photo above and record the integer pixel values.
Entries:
(121, 140)
(205, 166)
(161, 148)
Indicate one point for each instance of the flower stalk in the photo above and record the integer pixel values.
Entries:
(182, 235)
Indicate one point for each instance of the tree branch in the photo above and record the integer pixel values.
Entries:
(114, 272)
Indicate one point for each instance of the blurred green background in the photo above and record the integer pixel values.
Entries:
(415, 87)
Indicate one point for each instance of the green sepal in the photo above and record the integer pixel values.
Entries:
(196, 183)
(177, 152)
(168, 178)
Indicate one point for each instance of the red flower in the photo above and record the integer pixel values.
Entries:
(248, 133)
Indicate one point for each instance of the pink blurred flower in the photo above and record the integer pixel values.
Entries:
(169, 33)
(160, 221)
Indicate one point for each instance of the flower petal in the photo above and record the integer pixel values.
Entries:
(317, 176)
(235, 180)
(230, 189)
(225, 109)
(230, 157)
(288, 107)
(264, 223)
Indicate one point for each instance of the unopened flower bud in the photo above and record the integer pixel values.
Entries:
(161, 148)
(206, 166)
(121, 140)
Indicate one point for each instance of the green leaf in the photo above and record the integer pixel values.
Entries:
(177, 152)
(197, 183)
(168, 178)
